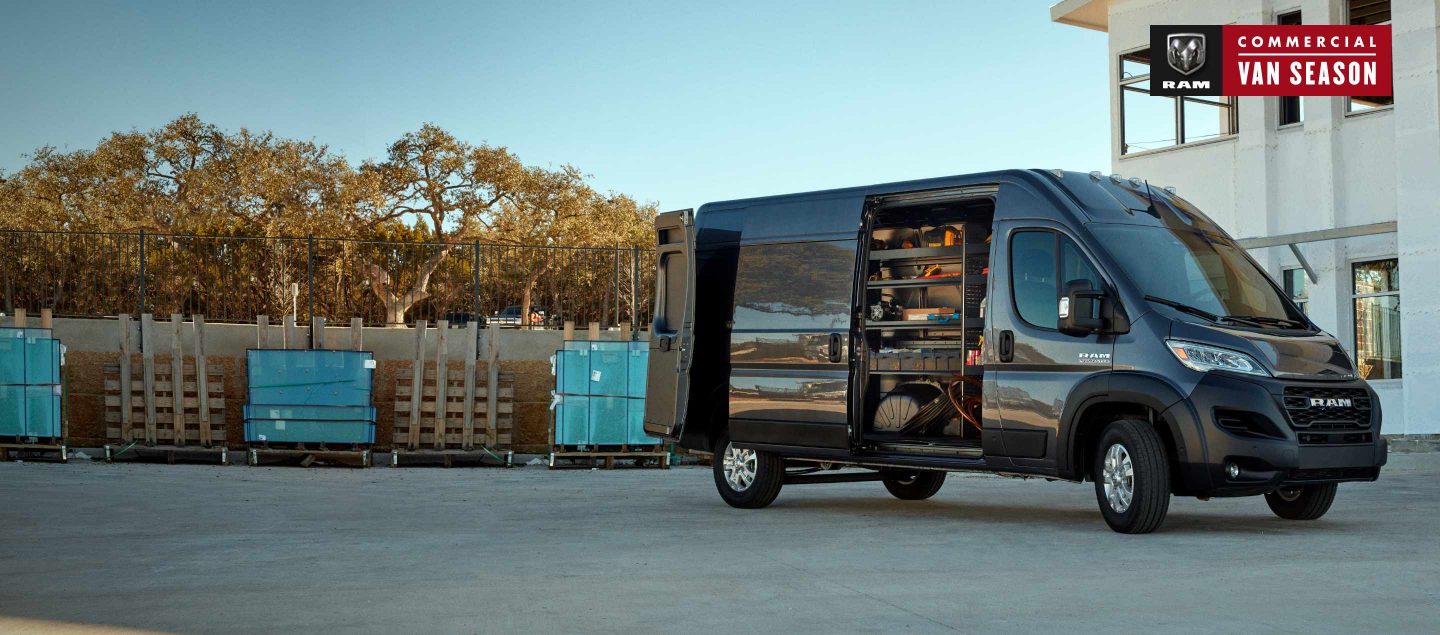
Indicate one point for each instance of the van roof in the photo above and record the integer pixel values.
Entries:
(935, 183)
(1103, 198)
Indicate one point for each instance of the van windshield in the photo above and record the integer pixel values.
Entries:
(1203, 270)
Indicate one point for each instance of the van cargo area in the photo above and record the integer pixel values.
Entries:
(926, 279)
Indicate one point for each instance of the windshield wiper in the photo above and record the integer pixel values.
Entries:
(1181, 306)
(1264, 320)
(1243, 319)
(1260, 321)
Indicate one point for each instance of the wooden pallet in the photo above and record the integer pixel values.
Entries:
(14, 449)
(448, 458)
(459, 433)
(607, 457)
(163, 418)
(170, 454)
(309, 454)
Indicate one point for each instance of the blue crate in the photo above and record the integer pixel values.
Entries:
(572, 420)
(572, 371)
(309, 396)
(12, 411)
(30, 411)
(609, 421)
(602, 369)
(310, 378)
(609, 368)
(42, 362)
(29, 357)
(303, 431)
(12, 357)
(601, 393)
(639, 369)
(636, 430)
(30, 386)
(309, 413)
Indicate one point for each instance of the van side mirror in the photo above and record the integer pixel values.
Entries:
(1081, 309)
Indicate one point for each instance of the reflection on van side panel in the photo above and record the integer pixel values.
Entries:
(796, 298)
(997, 322)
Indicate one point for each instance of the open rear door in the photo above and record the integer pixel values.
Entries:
(670, 332)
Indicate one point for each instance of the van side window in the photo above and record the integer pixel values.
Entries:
(1032, 277)
(805, 285)
(1041, 263)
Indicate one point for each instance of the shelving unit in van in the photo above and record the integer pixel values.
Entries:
(915, 355)
(971, 285)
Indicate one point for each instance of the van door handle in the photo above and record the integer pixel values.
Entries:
(664, 343)
(834, 348)
(1006, 346)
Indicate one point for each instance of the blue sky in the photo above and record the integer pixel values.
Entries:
(675, 102)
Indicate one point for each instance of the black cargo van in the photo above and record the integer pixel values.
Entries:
(1026, 322)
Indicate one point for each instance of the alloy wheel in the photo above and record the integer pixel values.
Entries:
(1119, 476)
(739, 465)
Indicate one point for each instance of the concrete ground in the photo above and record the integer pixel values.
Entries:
(254, 550)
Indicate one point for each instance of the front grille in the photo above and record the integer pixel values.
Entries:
(1305, 416)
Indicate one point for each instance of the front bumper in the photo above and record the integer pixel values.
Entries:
(1261, 441)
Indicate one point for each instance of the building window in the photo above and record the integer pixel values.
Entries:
(1297, 287)
(1149, 122)
(1377, 318)
(1368, 12)
(1292, 108)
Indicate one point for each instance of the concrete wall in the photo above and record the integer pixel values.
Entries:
(1335, 169)
(93, 343)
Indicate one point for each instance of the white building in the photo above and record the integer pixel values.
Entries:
(1334, 195)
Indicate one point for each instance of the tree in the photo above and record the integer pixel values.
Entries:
(189, 177)
(464, 192)
(559, 210)
(452, 186)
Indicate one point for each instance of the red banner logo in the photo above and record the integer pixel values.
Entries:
(1306, 60)
(1266, 60)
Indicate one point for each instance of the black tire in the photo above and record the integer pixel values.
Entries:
(913, 486)
(1149, 479)
(1306, 502)
(769, 475)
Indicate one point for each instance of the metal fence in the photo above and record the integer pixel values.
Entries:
(236, 278)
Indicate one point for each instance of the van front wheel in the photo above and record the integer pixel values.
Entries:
(914, 486)
(1132, 477)
(747, 479)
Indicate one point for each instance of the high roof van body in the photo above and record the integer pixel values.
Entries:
(1045, 323)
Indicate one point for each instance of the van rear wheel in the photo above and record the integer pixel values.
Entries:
(1305, 502)
(1132, 477)
(913, 486)
(745, 478)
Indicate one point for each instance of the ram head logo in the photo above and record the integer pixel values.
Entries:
(1185, 52)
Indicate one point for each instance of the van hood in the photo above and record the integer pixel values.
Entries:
(1286, 354)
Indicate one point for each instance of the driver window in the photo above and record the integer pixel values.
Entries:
(1032, 277)
(1041, 263)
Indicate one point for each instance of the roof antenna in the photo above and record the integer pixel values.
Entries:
(1151, 197)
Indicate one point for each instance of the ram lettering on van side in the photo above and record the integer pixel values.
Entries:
(1094, 358)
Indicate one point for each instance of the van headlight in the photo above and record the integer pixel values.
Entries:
(1206, 358)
